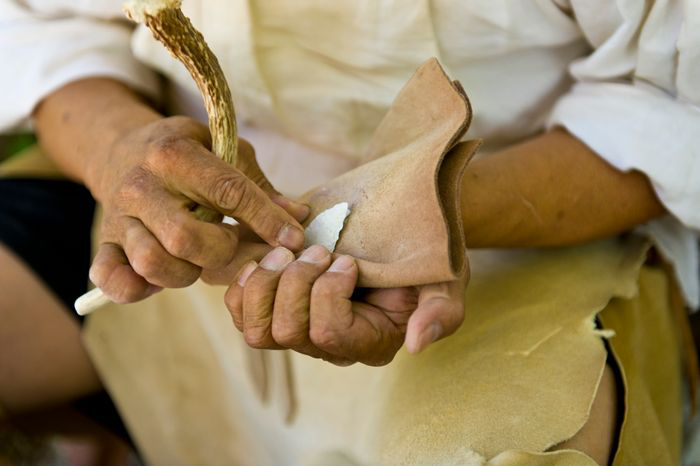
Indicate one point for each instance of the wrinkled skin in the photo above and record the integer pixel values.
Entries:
(310, 305)
(150, 237)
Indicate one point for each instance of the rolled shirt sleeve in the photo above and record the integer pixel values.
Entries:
(45, 45)
(636, 102)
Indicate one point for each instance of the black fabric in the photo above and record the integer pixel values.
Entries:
(47, 223)
(695, 327)
(100, 408)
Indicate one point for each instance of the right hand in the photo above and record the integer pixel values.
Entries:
(152, 180)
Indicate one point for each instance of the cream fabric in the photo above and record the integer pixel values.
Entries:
(45, 45)
(527, 352)
(324, 73)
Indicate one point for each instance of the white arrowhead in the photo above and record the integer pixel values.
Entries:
(326, 227)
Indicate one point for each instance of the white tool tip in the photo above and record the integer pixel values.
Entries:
(90, 301)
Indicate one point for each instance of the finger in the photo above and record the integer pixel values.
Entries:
(440, 313)
(398, 303)
(298, 210)
(245, 252)
(354, 331)
(248, 164)
(204, 178)
(234, 295)
(170, 220)
(290, 317)
(259, 297)
(151, 261)
(111, 272)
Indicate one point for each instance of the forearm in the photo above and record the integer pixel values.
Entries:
(549, 191)
(78, 124)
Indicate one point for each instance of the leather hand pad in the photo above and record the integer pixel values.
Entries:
(405, 226)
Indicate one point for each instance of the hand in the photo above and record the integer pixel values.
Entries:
(311, 305)
(149, 185)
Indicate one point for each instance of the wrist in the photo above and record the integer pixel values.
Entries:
(496, 211)
(116, 129)
(477, 203)
(78, 124)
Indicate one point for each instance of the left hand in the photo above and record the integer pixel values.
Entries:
(310, 305)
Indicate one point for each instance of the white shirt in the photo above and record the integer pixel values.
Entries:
(623, 76)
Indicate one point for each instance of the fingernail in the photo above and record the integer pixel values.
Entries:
(428, 336)
(342, 264)
(304, 211)
(245, 273)
(291, 237)
(314, 254)
(277, 259)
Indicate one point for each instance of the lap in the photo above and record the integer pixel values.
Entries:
(519, 378)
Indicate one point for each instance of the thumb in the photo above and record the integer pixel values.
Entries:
(440, 312)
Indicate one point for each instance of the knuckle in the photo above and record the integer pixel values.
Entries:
(381, 359)
(340, 362)
(289, 337)
(324, 337)
(232, 193)
(188, 277)
(256, 337)
(164, 150)
(180, 241)
(237, 322)
(231, 300)
(147, 262)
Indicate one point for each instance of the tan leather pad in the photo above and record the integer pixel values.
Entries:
(405, 226)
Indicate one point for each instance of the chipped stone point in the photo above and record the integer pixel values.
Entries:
(326, 227)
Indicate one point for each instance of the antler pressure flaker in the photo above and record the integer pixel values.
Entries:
(175, 31)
